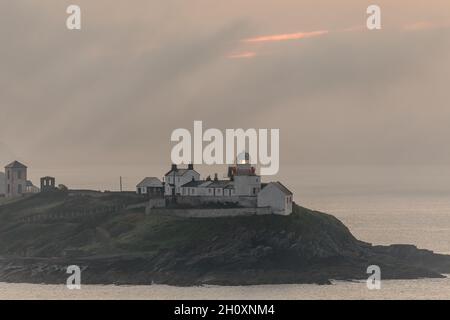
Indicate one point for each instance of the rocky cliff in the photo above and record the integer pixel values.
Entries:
(128, 247)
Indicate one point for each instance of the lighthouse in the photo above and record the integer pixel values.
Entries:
(246, 181)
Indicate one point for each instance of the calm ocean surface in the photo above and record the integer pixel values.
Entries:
(381, 205)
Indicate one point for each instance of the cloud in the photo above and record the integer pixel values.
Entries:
(356, 97)
(109, 96)
(424, 25)
(247, 54)
(287, 36)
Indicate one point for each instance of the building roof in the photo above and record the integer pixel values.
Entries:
(16, 165)
(230, 185)
(283, 188)
(219, 184)
(279, 185)
(179, 172)
(150, 182)
(194, 184)
(208, 184)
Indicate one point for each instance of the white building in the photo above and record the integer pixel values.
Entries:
(242, 187)
(151, 186)
(276, 196)
(177, 177)
(196, 188)
(205, 188)
(222, 188)
(16, 179)
(245, 180)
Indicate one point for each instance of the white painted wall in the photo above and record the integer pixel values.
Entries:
(197, 191)
(16, 178)
(273, 197)
(244, 185)
(206, 192)
(179, 181)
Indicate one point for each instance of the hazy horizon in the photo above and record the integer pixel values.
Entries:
(104, 100)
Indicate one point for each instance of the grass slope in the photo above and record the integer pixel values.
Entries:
(130, 247)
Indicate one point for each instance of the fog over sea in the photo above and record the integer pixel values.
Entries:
(379, 204)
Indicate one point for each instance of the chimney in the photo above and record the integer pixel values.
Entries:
(215, 177)
(208, 178)
(190, 166)
(174, 167)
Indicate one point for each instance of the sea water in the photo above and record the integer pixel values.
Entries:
(379, 204)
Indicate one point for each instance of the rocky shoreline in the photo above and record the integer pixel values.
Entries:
(131, 248)
(396, 262)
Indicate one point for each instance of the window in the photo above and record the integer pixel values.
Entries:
(9, 187)
(19, 174)
(9, 176)
(19, 189)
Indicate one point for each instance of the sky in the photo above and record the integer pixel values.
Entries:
(89, 105)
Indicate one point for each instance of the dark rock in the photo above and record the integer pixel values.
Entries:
(305, 247)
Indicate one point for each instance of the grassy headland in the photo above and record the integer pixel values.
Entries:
(41, 235)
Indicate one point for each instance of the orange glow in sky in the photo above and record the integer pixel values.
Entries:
(242, 55)
(288, 36)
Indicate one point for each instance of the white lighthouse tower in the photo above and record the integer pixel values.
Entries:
(246, 182)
